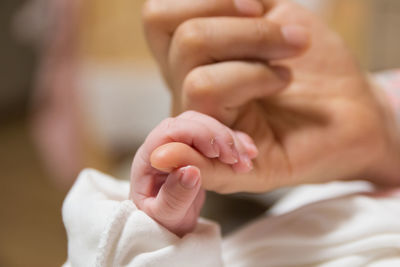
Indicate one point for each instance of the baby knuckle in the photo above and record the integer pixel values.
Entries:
(228, 139)
(175, 202)
(168, 124)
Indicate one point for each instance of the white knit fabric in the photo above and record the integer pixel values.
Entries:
(106, 229)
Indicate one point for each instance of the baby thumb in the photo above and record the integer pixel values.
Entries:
(176, 196)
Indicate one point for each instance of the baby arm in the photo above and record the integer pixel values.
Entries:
(178, 155)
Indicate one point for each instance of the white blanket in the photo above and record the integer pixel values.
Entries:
(106, 229)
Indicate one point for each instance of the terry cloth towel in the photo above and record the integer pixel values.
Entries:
(331, 225)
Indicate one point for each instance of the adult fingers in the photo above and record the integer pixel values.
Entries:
(162, 17)
(204, 41)
(168, 14)
(217, 90)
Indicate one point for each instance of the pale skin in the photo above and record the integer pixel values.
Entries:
(168, 186)
(275, 71)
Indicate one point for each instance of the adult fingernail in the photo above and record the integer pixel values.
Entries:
(188, 178)
(296, 35)
(249, 7)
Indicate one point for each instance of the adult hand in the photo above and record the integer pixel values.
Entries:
(327, 124)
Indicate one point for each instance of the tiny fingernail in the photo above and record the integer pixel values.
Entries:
(235, 153)
(249, 7)
(247, 161)
(235, 159)
(296, 35)
(188, 180)
(254, 151)
(215, 148)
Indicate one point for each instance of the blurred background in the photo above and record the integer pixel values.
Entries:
(80, 89)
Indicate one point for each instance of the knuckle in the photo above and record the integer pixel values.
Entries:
(175, 202)
(228, 139)
(261, 31)
(198, 85)
(227, 136)
(189, 36)
(152, 13)
(168, 124)
(163, 213)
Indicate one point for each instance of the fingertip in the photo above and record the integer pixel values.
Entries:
(248, 144)
(229, 152)
(160, 159)
(190, 177)
(245, 164)
(252, 151)
(172, 156)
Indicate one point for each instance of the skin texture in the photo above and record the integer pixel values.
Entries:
(280, 75)
(167, 186)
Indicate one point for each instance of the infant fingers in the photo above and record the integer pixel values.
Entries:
(202, 134)
(231, 149)
(215, 175)
(248, 143)
(207, 135)
(185, 131)
(173, 207)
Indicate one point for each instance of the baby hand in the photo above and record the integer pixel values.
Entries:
(169, 189)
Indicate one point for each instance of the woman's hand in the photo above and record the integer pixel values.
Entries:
(314, 118)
